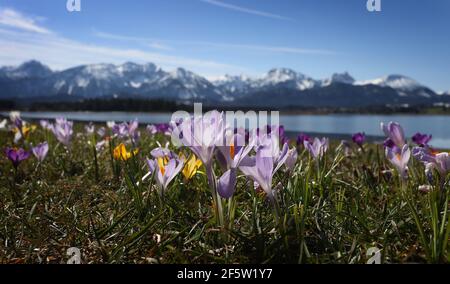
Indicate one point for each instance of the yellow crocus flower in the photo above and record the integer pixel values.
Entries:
(121, 153)
(191, 167)
(25, 130)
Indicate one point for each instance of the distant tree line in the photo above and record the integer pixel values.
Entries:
(7, 105)
(109, 105)
(160, 105)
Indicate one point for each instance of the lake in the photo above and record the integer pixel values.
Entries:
(341, 124)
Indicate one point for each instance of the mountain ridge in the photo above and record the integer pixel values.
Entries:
(278, 87)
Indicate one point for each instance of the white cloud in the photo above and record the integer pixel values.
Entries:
(275, 49)
(252, 47)
(156, 45)
(60, 53)
(22, 39)
(12, 18)
(246, 10)
(152, 43)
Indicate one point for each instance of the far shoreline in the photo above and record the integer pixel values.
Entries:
(292, 135)
(4, 113)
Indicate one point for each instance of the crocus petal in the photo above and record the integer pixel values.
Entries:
(151, 164)
(406, 155)
(399, 159)
(265, 167)
(227, 183)
(398, 136)
(291, 159)
(160, 152)
(385, 129)
(281, 159)
(443, 160)
(40, 151)
(395, 133)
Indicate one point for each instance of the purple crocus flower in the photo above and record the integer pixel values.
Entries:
(16, 156)
(45, 124)
(132, 128)
(433, 160)
(129, 130)
(443, 163)
(399, 159)
(163, 128)
(301, 138)
(63, 130)
(40, 151)
(120, 130)
(201, 134)
(165, 170)
(359, 138)
(317, 148)
(421, 139)
(262, 168)
(90, 128)
(162, 152)
(395, 134)
(151, 129)
(232, 157)
(270, 144)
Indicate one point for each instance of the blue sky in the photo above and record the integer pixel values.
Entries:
(215, 37)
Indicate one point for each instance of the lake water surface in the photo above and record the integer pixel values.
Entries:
(437, 125)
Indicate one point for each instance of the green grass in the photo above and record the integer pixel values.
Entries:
(330, 213)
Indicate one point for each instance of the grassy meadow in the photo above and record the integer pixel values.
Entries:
(91, 194)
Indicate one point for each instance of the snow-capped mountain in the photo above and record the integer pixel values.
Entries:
(104, 80)
(343, 78)
(404, 85)
(235, 84)
(397, 82)
(279, 87)
(274, 79)
(30, 69)
(188, 86)
(287, 78)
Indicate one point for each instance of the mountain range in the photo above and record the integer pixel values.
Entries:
(278, 88)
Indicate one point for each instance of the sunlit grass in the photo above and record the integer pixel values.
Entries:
(331, 211)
